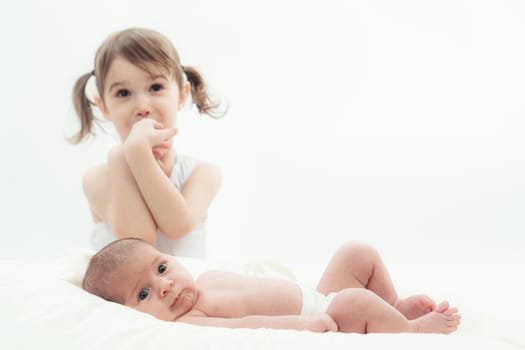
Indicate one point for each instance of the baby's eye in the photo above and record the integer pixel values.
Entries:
(156, 87)
(143, 294)
(123, 93)
(162, 268)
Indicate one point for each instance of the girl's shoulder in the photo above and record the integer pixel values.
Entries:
(187, 167)
(189, 171)
(94, 174)
(95, 180)
(208, 168)
(207, 173)
(95, 184)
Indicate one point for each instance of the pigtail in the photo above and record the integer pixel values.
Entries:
(200, 94)
(83, 108)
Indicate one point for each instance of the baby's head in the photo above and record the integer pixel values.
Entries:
(132, 272)
(105, 268)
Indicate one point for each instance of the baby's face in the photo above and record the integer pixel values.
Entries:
(157, 284)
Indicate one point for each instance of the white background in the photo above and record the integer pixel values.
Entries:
(400, 123)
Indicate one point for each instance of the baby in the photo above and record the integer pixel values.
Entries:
(355, 294)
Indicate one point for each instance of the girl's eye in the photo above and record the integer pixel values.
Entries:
(143, 294)
(123, 93)
(156, 87)
(162, 268)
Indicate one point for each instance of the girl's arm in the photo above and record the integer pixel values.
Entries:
(175, 212)
(315, 323)
(115, 199)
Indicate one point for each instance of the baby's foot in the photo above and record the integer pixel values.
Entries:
(442, 320)
(415, 306)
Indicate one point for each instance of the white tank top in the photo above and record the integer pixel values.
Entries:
(191, 245)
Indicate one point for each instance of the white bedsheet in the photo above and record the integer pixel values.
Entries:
(42, 307)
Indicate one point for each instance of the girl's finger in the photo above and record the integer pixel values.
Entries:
(164, 136)
(171, 132)
(164, 144)
(157, 125)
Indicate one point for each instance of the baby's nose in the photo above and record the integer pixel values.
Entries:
(165, 286)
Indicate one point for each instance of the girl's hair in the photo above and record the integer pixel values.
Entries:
(140, 47)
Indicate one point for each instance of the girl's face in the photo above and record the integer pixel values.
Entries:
(156, 284)
(131, 94)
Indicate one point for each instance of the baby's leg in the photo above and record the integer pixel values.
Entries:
(361, 311)
(443, 320)
(358, 310)
(358, 265)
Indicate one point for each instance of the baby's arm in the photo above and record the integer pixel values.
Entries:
(315, 323)
(175, 213)
(114, 198)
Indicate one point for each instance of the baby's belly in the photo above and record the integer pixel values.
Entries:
(274, 297)
(243, 295)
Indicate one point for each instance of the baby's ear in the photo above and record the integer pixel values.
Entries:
(185, 92)
(101, 106)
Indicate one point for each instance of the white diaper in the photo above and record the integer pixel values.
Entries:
(315, 302)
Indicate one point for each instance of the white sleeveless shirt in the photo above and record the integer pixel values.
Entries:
(191, 245)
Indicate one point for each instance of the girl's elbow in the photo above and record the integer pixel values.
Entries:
(181, 229)
(147, 234)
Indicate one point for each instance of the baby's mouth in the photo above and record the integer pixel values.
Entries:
(175, 301)
(184, 300)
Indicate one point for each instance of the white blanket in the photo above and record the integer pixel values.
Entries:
(43, 307)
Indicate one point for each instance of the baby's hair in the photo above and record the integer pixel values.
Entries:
(104, 266)
(140, 47)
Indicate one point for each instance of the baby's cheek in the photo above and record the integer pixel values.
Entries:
(153, 310)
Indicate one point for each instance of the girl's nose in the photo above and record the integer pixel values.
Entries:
(142, 107)
(165, 286)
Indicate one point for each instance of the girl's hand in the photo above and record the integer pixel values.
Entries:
(151, 134)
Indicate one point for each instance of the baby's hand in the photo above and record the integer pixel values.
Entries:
(320, 322)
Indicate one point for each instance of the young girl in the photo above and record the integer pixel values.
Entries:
(146, 189)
